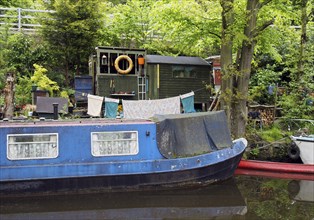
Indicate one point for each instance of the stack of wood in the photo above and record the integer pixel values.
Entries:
(266, 113)
(267, 116)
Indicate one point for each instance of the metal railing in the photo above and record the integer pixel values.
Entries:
(21, 20)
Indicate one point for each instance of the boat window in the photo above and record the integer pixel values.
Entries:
(32, 146)
(114, 143)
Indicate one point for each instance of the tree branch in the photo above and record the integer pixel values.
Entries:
(308, 17)
(262, 4)
(212, 33)
(258, 30)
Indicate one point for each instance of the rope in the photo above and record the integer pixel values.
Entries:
(82, 93)
(278, 141)
(199, 89)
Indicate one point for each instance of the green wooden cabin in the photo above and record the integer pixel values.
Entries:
(132, 74)
(171, 76)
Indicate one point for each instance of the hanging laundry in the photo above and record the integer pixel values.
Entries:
(188, 102)
(111, 107)
(145, 109)
(94, 105)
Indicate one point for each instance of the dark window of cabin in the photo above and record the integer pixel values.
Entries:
(183, 71)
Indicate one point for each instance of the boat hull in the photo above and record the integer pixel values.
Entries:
(306, 146)
(204, 175)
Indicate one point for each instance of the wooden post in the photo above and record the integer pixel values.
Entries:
(9, 96)
(275, 104)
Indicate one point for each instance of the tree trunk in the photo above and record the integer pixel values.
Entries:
(66, 74)
(9, 96)
(242, 81)
(226, 57)
(304, 20)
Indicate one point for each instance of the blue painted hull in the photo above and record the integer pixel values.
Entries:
(75, 168)
(197, 176)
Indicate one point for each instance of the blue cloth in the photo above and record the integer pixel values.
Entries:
(111, 107)
(271, 90)
(188, 104)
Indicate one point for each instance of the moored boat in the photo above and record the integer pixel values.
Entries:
(116, 154)
(304, 148)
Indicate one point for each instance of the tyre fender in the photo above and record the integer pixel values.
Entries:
(294, 151)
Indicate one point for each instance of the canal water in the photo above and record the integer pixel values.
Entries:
(242, 197)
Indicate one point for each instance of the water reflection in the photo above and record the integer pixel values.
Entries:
(222, 201)
(301, 190)
(271, 198)
(243, 197)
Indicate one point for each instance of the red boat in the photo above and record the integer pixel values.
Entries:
(276, 169)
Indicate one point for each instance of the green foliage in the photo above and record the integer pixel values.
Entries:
(72, 32)
(269, 198)
(16, 3)
(132, 23)
(20, 53)
(271, 135)
(186, 27)
(294, 105)
(295, 102)
(259, 84)
(168, 27)
(295, 126)
(4, 50)
(266, 208)
(254, 152)
(23, 90)
(277, 61)
(1, 100)
(41, 80)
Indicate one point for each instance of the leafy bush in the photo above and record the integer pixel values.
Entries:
(271, 135)
(23, 91)
(259, 86)
(41, 80)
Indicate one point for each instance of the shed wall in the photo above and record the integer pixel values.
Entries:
(170, 86)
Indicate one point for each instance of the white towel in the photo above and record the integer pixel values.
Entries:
(187, 95)
(94, 105)
(111, 100)
(145, 109)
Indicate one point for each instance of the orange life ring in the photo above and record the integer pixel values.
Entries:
(116, 64)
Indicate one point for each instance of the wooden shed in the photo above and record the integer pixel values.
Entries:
(118, 73)
(126, 73)
(170, 76)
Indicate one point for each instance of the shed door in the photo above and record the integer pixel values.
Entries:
(153, 78)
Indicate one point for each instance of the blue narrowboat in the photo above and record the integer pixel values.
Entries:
(116, 154)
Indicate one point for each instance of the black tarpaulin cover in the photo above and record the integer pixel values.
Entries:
(192, 134)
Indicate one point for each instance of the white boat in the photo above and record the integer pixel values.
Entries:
(302, 190)
(305, 148)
